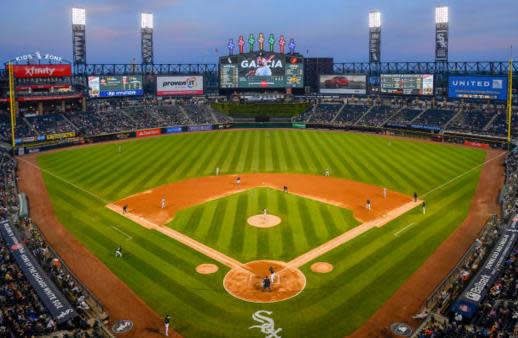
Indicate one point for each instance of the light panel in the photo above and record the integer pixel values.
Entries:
(374, 19)
(146, 20)
(78, 16)
(441, 14)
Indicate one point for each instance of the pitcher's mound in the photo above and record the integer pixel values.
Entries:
(206, 269)
(262, 221)
(322, 267)
(246, 283)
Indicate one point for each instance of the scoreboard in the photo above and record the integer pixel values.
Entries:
(261, 70)
(407, 84)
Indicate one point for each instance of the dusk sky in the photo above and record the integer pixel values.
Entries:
(197, 30)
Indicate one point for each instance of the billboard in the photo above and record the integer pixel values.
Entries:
(261, 70)
(406, 84)
(478, 87)
(179, 85)
(36, 71)
(343, 84)
(119, 85)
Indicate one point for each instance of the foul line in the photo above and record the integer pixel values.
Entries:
(65, 181)
(405, 228)
(122, 232)
(463, 174)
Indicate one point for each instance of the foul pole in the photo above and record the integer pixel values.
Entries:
(509, 102)
(12, 104)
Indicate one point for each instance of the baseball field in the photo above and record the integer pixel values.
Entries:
(364, 255)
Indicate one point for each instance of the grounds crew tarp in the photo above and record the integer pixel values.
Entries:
(50, 296)
(474, 294)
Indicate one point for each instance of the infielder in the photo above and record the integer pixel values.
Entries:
(265, 213)
(424, 207)
(163, 202)
(272, 275)
(217, 171)
(368, 205)
(326, 172)
(167, 320)
(384, 192)
(125, 209)
(238, 180)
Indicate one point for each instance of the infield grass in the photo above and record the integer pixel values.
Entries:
(367, 270)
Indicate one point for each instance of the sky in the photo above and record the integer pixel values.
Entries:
(197, 31)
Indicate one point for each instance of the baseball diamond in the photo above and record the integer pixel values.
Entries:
(366, 255)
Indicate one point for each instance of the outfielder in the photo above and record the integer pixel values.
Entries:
(118, 252)
(424, 207)
(326, 172)
(167, 320)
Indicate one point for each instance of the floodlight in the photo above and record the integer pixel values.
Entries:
(78, 16)
(441, 14)
(146, 20)
(374, 19)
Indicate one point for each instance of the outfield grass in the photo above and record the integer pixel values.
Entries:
(367, 270)
(221, 224)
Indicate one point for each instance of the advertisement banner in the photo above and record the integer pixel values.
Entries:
(148, 132)
(441, 42)
(471, 298)
(179, 85)
(343, 84)
(58, 136)
(476, 144)
(407, 84)
(172, 130)
(34, 71)
(298, 125)
(119, 85)
(374, 45)
(478, 87)
(199, 128)
(47, 292)
(262, 70)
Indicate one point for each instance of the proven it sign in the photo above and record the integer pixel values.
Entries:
(179, 85)
(36, 71)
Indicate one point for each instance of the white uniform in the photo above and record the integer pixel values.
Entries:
(163, 203)
(384, 192)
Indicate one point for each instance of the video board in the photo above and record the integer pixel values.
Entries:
(343, 84)
(111, 86)
(478, 87)
(407, 84)
(261, 70)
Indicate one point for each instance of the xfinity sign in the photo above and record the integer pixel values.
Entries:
(478, 87)
(179, 85)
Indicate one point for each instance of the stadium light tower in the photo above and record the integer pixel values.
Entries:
(441, 33)
(374, 36)
(146, 34)
(79, 35)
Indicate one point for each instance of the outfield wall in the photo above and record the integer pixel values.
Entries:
(478, 141)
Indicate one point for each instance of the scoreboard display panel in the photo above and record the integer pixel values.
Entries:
(261, 70)
(112, 86)
(407, 84)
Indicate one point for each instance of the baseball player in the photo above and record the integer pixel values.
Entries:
(384, 192)
(265, 213)
(326, 172)
(124, 208)
(238, 180)
(415, 196)
(163, 202)
(285, 189)
(424, 207)
(118, 252)
(272, 275)
(167, 320)
(266, 284)
(217, 171)
(368, 205)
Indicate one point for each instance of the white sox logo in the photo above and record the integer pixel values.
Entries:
(267, 325)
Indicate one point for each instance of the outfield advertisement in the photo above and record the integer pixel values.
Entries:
(343, 84)
(478, 87)
(261, 70)
(406, 84)
(54, 301)
(37, 71)
(179, 85)
(148, 132)
(119, 85)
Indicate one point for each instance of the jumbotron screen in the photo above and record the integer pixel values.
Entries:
(407, 84)
(261, 70)
(119, 85)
